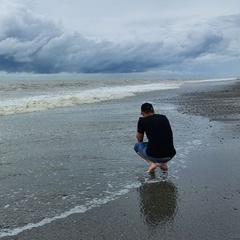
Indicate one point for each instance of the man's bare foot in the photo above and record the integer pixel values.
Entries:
(152, 167)
(163, 166)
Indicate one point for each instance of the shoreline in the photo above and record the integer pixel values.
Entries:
(204, 196)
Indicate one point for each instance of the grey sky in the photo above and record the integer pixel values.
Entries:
(176, 37)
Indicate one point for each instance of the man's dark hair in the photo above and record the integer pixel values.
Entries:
(147, 108)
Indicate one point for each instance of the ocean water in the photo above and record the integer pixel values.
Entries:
(35, 95)
(28, 96)
(67, 146)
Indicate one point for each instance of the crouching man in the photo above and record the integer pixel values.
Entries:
(159, 149)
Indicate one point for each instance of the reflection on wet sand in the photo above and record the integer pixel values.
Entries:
(158, 202)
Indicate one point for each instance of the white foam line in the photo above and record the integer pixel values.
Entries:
(211, 80)
(78, 209)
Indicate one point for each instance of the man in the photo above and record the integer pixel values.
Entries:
(159, 149)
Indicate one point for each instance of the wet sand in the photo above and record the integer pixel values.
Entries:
(221, 102)
(201, 202)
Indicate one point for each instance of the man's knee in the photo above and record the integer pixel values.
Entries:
(136, 147)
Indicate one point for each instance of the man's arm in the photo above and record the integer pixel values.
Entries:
(139, 137)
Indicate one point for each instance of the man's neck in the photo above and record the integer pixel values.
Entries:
(148, 114)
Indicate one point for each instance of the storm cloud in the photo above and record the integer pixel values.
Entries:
(30, 42)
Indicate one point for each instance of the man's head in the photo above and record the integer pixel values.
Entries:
(147, 108)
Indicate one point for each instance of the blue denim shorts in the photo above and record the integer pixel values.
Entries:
(141, 147)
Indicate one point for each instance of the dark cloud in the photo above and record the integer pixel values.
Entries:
(31, 43)
(198, 44)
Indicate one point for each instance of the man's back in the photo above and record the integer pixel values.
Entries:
(159, 134)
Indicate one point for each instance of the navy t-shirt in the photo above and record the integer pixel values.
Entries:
(159, 134)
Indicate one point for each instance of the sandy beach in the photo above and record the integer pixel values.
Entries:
(198, 200)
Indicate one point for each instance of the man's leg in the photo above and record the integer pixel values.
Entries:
(163, 166)
(152, 165)
(138, 148)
